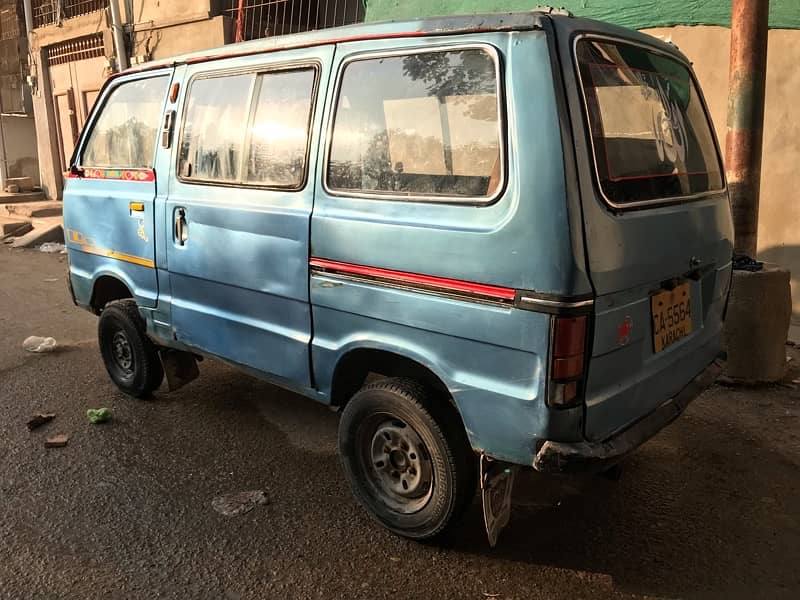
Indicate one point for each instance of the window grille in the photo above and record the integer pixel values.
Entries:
(49, 12)
(253, 19)
(89, 46)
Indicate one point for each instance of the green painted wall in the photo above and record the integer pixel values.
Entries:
(637, 14)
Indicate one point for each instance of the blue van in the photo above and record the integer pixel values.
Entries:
(491, 241)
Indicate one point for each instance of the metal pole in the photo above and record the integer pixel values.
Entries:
(239, 37)
(119, 38)
(3, 155)
(746, 81)
(28, 17)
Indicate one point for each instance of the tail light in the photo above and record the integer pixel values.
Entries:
(567, 361)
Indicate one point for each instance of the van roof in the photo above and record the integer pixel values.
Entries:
(445, 25)
(431, 26)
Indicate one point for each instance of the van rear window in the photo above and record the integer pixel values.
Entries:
(421, 125)
(651, 135)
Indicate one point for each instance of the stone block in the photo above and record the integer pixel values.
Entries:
(757, 324)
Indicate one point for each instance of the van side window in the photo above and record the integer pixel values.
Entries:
(124, 135)
(214, 128)
(279, 134)
(423, 125)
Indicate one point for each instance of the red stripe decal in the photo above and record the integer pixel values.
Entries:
(440, 283)
(134, 175)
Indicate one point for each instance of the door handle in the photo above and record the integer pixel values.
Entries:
(166, 130)
(181, 228)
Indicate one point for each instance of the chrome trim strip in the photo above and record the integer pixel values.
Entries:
(527, 301)
(677, 59)
(494, 53)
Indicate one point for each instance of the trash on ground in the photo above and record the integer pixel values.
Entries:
(35, 343)
(233, 505)
(38, 420)
(742, 262)
(52, 247)
(51, 279)
(98, 415)
(57, 441)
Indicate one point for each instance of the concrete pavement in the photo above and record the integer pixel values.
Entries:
(709, 508)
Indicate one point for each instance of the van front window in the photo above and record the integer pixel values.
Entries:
(650, 132)
(124, 135)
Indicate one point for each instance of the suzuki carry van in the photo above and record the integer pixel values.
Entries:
(491, 241)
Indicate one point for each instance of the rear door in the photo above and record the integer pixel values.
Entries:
(109, 195)
(239, 207)
(656, 218)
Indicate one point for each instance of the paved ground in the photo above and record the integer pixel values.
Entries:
(710, 508)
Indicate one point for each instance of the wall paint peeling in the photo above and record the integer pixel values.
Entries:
(636, 14)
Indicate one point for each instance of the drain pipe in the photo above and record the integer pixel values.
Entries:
(119, 38)
(3, 155)
(28, 17)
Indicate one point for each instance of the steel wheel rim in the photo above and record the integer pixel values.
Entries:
(397, 464)
(122, 353)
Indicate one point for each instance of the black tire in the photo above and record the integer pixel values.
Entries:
(130, 358)
(402, 410)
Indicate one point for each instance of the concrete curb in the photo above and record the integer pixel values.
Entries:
(44, 230)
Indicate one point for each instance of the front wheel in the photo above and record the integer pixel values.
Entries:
(130, 358)
(407, 457)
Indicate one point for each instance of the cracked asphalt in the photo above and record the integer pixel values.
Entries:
(709, 508)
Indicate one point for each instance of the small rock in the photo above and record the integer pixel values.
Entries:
(38, 420)
(233, 505)
(57, 441)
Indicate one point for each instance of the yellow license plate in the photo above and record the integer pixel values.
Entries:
(672, 316)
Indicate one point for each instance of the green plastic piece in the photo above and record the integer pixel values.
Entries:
(98, 415)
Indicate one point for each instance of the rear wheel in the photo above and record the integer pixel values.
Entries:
(407, 457)
(130, 358)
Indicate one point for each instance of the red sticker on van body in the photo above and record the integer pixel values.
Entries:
(430, 282)
(135, 175)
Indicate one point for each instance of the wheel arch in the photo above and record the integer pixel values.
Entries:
(358, 365)
(107, 288)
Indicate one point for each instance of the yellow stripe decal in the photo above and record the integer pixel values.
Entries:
(136, 260)
(87, 245)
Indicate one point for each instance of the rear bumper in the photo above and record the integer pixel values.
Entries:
(571, 457)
